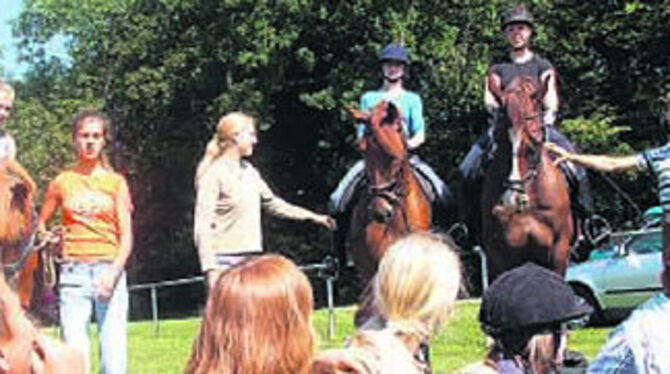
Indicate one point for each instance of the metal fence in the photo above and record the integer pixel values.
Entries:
(326, 270)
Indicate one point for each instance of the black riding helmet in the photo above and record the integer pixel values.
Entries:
(517, 14)
(394, 52)
(525, 301)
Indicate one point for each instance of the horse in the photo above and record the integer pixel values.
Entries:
(17, 228)
(525, 205)
(394, 203)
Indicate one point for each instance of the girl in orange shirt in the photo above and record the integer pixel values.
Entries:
(96, 208)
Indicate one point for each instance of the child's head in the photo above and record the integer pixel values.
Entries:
(257, 320)
(418, 281)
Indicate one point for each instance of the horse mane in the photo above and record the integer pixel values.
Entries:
(15, 210)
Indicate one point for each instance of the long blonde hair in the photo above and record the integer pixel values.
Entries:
(229, 126)
(257, 321)
(417, 284)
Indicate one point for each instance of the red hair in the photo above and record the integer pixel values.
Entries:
(257, 321)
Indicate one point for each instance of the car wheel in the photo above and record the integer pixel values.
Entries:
(584, 295)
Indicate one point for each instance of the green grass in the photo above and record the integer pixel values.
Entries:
(461, 342)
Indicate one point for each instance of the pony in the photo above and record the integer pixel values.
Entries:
(17, 226)
(526, 213)
(394, 203)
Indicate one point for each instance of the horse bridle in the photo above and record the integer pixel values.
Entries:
(518, 185)
(395, 188)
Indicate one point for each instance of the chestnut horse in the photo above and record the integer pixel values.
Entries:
(525, 202)
(394, 203)
(17, 228)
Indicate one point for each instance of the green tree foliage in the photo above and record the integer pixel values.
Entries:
(165, 70)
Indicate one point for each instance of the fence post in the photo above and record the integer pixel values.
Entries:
(485, 272)
(331, 308)
(154, 309)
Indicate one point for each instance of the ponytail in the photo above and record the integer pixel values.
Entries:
(212, 152)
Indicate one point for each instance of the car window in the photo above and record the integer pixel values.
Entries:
(646, 243)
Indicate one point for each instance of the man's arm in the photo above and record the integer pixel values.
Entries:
(616, 164)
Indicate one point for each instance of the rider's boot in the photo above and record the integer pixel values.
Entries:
(441, 198)
(472, 169)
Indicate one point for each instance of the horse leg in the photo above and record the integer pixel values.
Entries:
(561, 254)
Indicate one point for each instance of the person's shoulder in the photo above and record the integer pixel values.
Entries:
(64, 175)
(371, 98)
(658, 153)
(413, 96)
(543, 62)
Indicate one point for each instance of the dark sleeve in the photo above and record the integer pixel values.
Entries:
(544, 64)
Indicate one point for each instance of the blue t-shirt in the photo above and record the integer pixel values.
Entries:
(410, 106)
(657, 161)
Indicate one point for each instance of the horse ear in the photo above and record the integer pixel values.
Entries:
(358, 114)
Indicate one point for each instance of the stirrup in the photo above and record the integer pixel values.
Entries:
(596, 229)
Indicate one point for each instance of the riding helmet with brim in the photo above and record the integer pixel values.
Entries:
(517, 14)
(394, 52)
(528, 299)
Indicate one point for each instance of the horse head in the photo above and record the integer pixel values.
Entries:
(383, 143)
(520, 100)
(386, 156)
(15, 205)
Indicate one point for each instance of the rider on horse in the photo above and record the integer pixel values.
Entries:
(517, 25)
(394, 60)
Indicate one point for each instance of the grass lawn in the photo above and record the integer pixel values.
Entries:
(461, 343)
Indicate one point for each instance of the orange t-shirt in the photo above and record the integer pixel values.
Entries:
(90, 213)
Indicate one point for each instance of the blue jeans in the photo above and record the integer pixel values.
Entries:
(79, 300)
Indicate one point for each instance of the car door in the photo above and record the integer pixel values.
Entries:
(633, 275)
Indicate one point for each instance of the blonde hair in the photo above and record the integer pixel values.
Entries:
(417, 283)
(85, 113)
(4, 87)
(229, 126)
(541, 354)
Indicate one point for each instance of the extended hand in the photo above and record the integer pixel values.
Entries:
(326, 221)
(555, 149)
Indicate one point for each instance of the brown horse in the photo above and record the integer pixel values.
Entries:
(525, 203)
(394, 203)
(16, 228)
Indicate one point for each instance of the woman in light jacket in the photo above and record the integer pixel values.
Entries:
(230, 195)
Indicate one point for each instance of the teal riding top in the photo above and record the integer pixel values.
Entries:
(408, 102)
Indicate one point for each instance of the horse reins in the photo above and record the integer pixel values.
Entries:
(394, 189)
(29, 247)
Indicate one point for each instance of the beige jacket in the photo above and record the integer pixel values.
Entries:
(228, 211)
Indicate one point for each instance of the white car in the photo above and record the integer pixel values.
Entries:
(620, 275)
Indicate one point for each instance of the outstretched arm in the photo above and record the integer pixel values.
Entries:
(616, 164)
